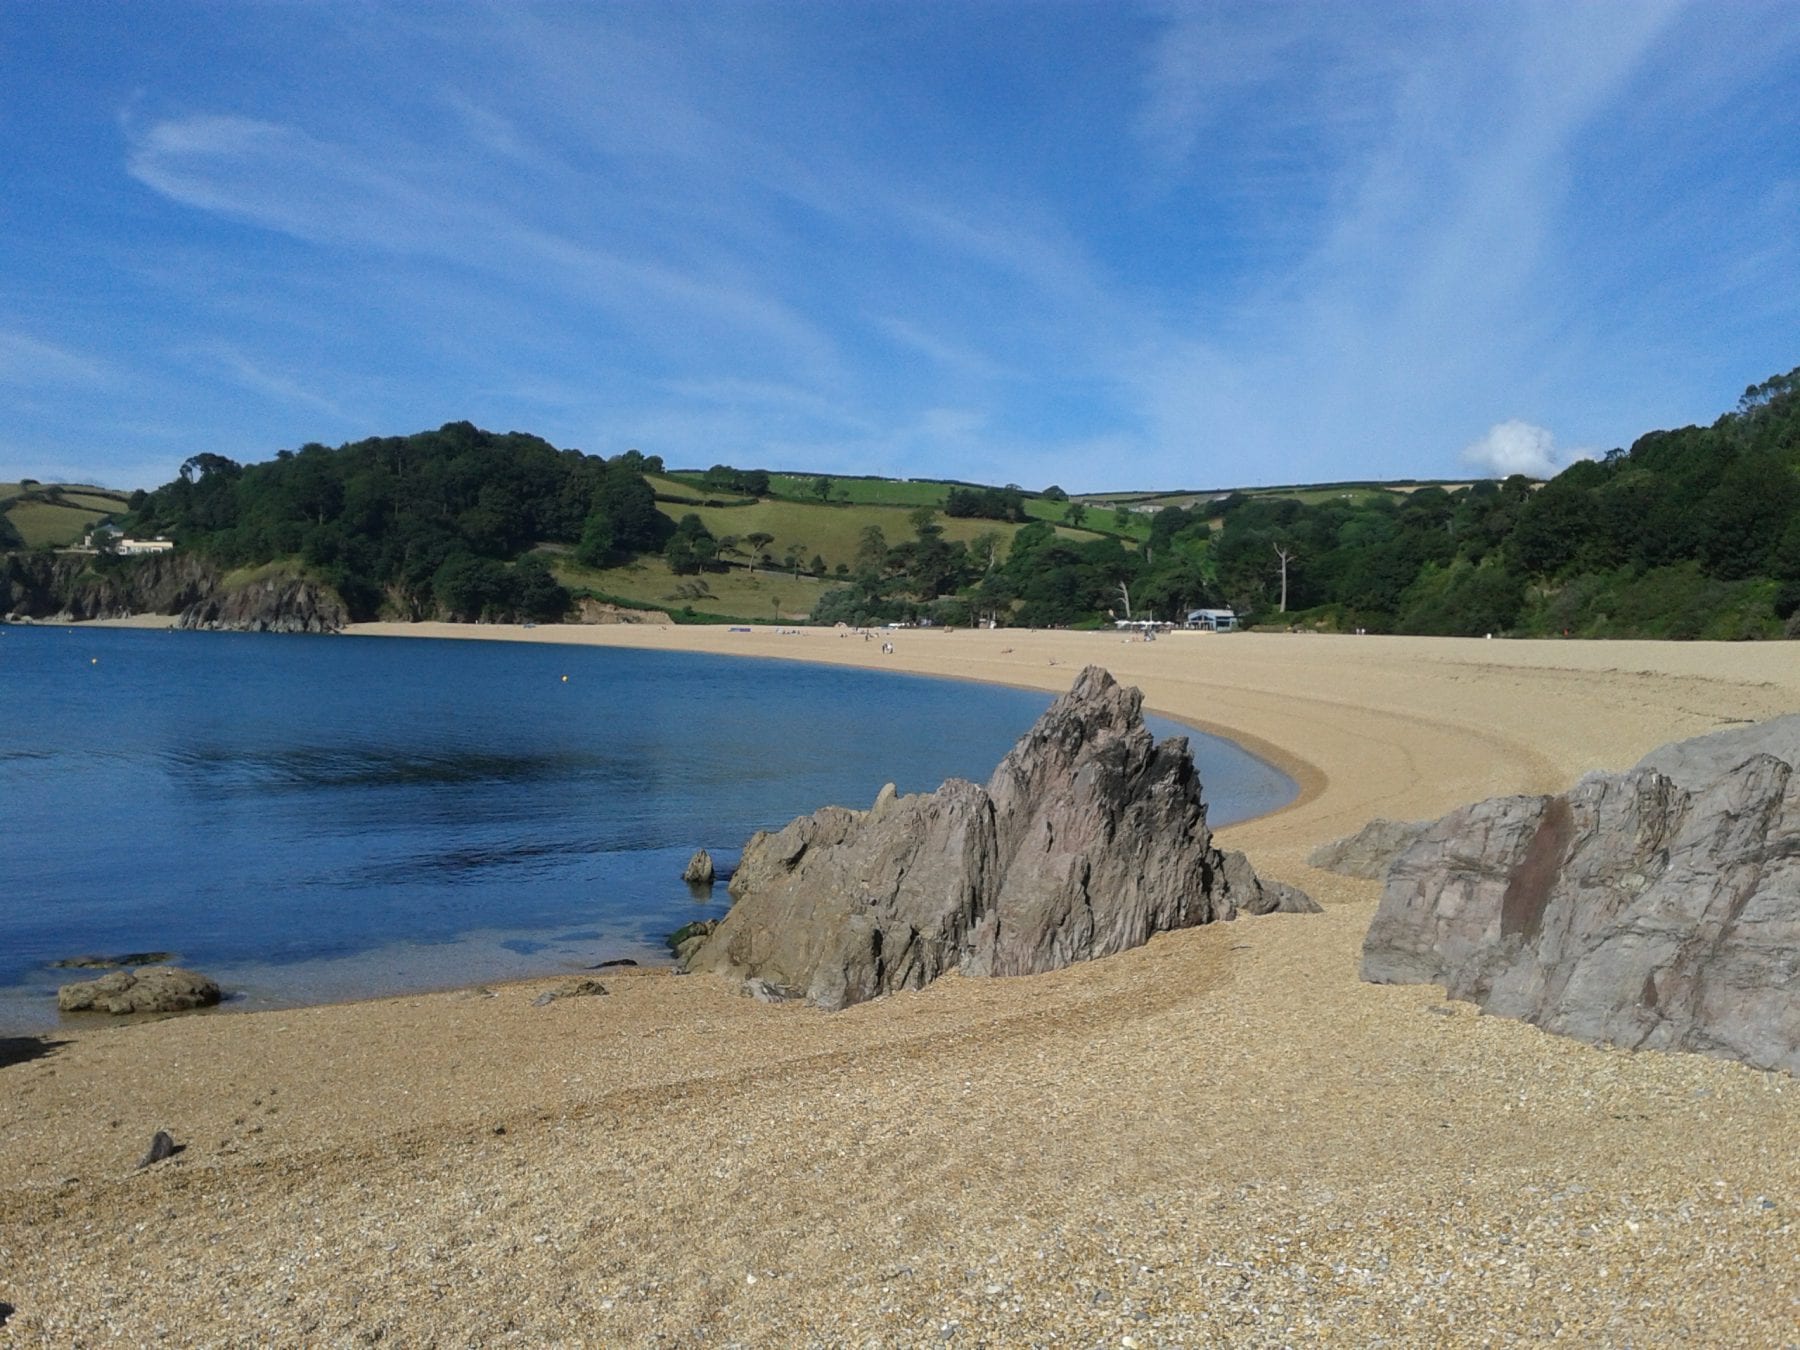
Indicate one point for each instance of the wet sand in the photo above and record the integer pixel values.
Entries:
(1221, 1137)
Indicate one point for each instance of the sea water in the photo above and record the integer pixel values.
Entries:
(313, 818)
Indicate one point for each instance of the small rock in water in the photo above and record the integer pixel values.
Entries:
(162, 1145)
(616, 961)
(699, 871)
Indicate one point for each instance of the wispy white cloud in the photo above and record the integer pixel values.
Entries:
(28, 362)
(281, 388)
(1220, 244)
(1518, 447)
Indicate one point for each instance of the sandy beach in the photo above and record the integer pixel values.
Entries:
(1222, 1137)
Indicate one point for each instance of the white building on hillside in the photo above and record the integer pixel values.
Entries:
(130, 547)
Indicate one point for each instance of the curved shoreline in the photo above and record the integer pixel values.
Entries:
(1221, 1137)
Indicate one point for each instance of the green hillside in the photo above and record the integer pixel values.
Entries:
(55, 515)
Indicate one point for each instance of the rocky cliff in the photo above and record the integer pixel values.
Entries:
(73, 587)
(1088, 838)
(1658, 908)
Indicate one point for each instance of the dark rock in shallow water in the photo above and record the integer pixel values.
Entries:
(685, 940)
(1654, 909)
(153, 989)
(109, 962)
(1088, 838)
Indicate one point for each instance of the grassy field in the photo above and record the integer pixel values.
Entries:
(833, 532)
(862, 491)
(40, 522)
(767, 597)
(57, 515)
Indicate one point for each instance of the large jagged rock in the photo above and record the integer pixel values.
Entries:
(1089, 838)
(1658, 908)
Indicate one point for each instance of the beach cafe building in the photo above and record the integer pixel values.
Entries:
(1211, 620)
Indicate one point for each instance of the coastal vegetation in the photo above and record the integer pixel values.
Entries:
(1693, 532)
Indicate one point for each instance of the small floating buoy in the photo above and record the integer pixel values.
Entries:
(93, 660)
(565, 679)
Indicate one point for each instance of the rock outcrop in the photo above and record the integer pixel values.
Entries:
(1371, 850)
(151, 989)
(278, 604)
(191, 589)
(1658, 908)
(1089, 837)
(699, 871)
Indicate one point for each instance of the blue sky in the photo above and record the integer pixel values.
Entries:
(1106, 245)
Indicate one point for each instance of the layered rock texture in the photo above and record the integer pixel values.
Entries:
(71, 588)
(1658, 908)
(1088, 838)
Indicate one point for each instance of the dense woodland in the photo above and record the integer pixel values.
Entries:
(1689, 533)
(443, 522)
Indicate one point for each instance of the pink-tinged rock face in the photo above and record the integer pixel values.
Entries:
(1658, 908)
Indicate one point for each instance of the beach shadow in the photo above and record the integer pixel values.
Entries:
(24, 1049)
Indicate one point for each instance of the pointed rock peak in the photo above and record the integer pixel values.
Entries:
(1088, 839)
(1094, 690)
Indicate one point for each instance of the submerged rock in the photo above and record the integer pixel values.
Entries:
(151, 989)
(109, 962)
(1088, 838)
(1657, 908)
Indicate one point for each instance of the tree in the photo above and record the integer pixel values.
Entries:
(1075, 514)
(1284, 556)
(758, 541)
(821, 487)
(871, 549)
(596, 546)
(536, 593)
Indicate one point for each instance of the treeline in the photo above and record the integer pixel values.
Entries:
(1040, 579)
(430, 524)
(986, 503)
(1689, 533)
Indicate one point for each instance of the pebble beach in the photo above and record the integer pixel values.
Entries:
(1223, 1137)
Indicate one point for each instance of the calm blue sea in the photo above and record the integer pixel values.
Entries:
(316, 818)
